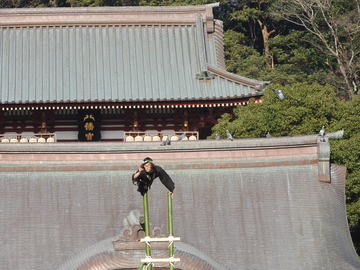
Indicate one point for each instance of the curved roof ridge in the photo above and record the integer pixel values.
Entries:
(102, 256)
(238, 78)
(104, 15)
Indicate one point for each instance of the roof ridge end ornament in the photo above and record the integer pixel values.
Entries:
(200, 39)
(324, 173)
(262, 87)
(204, 72)
(205, 75)
(216, 4)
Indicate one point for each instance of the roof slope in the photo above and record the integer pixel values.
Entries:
(118, 54)
(255, 203)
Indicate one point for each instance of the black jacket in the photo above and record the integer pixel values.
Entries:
(145, 180)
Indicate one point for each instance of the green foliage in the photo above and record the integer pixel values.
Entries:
(291, 57)
(293, 48)
(305, 109)
(334, 26)
(240, 58)
(93, 3)
(253, 18)
(246, 13)
(31, 3)
(98, 3)
(296, 62)
(174, 2)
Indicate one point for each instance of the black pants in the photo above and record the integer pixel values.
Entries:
(143, 186)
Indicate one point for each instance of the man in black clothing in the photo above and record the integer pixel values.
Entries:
(146, 174)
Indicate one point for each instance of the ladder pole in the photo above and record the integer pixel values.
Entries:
(170, 229)
(147, 228)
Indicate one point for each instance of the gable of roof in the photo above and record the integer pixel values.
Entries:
(117, 54)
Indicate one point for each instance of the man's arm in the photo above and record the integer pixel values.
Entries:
(165, 179)
(136, 175)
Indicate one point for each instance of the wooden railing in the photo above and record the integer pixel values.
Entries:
(151, 136)
(28, 138)
(129, 136)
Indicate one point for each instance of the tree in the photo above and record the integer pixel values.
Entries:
(242, 58)
(283, 58)
(174, 2)
(335, 24)
(304, 110)
(256, 14)
(297, 60)
(31, 3)
(98, 3)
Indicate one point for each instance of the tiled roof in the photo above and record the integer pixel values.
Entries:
(135, 55)
(242, 204)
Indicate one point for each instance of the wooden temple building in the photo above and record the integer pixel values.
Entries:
(134, 69)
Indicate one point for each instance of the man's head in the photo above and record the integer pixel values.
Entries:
(148, 164)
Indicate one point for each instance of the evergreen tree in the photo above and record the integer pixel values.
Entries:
(334, 26)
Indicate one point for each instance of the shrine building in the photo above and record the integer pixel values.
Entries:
(115, 74)
(111, 73)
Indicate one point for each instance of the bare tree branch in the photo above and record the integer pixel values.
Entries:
(337, 34)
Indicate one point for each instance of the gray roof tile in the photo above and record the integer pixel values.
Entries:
(66, 62)
(246, 204)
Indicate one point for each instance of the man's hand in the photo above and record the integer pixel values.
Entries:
(136, 175)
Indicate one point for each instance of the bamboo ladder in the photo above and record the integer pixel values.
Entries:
(149, 261)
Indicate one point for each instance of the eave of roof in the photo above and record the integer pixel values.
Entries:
(128, 105)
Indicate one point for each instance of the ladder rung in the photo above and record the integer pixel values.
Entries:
(154, 260)
(160, 239)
